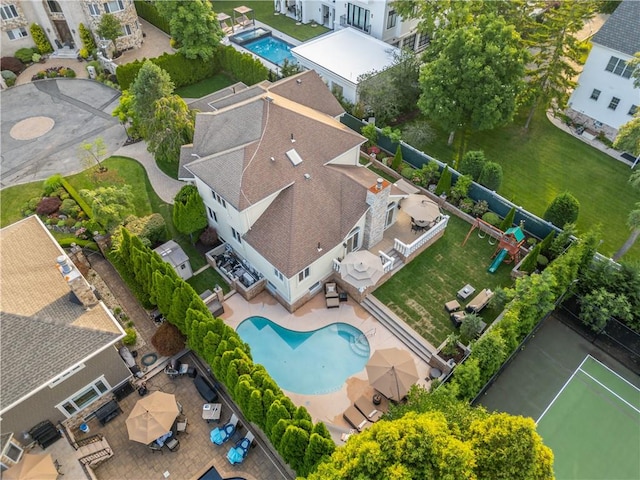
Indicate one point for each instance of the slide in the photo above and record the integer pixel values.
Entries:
(498, 260)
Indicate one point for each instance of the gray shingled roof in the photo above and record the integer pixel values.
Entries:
(172, 253)
(621, 32)
(42, 332)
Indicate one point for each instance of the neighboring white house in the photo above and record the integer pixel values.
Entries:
(377, 18)
(174, 255)
(60, 21)
(605, 93)
(341, 67)
(281, 183)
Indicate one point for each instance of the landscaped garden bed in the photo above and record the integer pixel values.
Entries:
(54, 72)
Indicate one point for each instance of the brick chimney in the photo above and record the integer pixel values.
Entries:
(377, 199)
(77, 283)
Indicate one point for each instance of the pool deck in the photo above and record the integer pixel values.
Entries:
(312, 316)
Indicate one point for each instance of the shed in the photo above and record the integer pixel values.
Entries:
(174, 255)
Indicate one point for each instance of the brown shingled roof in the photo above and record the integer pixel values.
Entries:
(307, 88)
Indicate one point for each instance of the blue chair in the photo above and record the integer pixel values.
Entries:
(221, 435)
(237, 454)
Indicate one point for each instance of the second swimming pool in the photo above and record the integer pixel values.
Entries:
(309, 363)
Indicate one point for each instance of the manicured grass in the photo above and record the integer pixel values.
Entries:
(541, 163)
(264, 12)
(418, 292)
(207, 280)
(206, 86)
(13, 198)
(196, 259)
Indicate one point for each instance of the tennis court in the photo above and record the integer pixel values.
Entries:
(593, 425)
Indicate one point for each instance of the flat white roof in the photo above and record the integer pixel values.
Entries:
(348, 53)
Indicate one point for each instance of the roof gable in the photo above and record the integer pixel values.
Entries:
(307, 88)
(621, 32)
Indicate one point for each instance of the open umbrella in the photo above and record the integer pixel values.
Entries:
(420, 208)
(32, 467)
(361, 269)
(152, 417)
(392, 371)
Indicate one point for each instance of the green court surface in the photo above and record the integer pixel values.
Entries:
(593, 425)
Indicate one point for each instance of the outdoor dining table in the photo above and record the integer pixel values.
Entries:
(422, 223)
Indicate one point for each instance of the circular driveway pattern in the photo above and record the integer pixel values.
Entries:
(31, 128)
(80, 111)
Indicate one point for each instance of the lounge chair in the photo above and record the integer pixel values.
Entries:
(331, 295)
(480, 301)
(452, 306)
(219, 435)
(238, 453)
(368, 409)
(457, 318)
(356, 419)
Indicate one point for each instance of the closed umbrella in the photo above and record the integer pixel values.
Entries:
(420, 208)
(152, 417)
(361, 269)
(392, 372)
(32, 467)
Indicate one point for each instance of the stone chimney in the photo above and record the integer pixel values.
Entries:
(77, 283)
(377, 199)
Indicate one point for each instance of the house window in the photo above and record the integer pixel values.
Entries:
(632, 111)
(54, 7)
(423, 41)
(17, 33)
(595, 94)
(126, 29)
(219, 199)
(279, 275)
(409, 42)
(353, 240)
(618, 66)
(391, 214)
(113, 6)
(392, 19)
(94, 10)
(236, 235)
(613, 104)
(358, 17)
(8, 12)
(84, 397)
(303, 274)
(212, 215)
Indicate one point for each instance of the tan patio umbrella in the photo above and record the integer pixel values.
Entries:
(152, 417)
(361, 269)
(32, 467)
(420, 208)
(392, 372)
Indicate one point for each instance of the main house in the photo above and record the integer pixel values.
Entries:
(605, 98)
(61, 21)
(57, 340)
(376, 18)
(282, 185)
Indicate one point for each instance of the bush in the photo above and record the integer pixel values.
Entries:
(491, 176)
(430, 172)
(480, 208)
(36, 57)
(48, 205)
(461, 189)
(81, 202)
(168, 340)
(466, 205)
(25, 54)
(69, 207)
(209, 237)
(69, 73)
(9, 77)
(39, 37)
(151, 229)
(491, 218)
(472, 164)
(444, 184)
(12, 64)
(130, 337)
(149, 12)
(564, 209)
(407, 172)
(88, 42)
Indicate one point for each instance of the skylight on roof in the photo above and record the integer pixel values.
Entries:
(294, 157)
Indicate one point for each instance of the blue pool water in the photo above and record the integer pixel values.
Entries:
(272, 49)
(250, 35)
(309, 363)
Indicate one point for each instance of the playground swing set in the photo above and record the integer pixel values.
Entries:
(509, 242)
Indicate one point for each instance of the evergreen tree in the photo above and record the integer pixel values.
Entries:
(491, 176)
(189, 215)
(109, 27)
(397, 160)
(472, 163)
(564, 209)
(255, 411)
(444, 184)
(275, 413)
(151, 84)
(293, 447)
(531, 260)
(507, 222)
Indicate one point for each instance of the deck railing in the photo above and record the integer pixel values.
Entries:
(407, 250)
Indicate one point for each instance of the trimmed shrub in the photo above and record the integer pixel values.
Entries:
(12, 64)
(430, 173)
(472, 163)
(408, 172)
(564, 209)
(209, 237)
(36, 57)
(396, 164)
(130, 337)
(79, 200)
(9, 77)
(444, 184)
(48, 205)
(480, 208)
(25, 54)
(168, 340)
(88, 42)
(507, 222)
(461, 189)
(531, 260)
(491, 176)
(40, 39)
(491, 218)
(150, 229)
(149, 12)
(69, 207)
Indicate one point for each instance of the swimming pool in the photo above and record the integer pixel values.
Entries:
(309, 363)
(243, 37)
(272, 49)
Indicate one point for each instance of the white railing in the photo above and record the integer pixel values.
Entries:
(407, 250)
(336, 265)
(387, 261)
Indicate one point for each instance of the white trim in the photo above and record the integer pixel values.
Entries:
(79, 408)
(561, 390)
(61, 378)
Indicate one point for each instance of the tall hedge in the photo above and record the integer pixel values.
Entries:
(241, 65)
(88, 42)
(40, 39)
(149, 12)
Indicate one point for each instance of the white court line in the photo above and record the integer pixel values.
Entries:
(561, 390)
(612, 371)
(611, 391)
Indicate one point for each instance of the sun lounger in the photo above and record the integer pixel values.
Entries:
(368, 409)
(219, 435)
(457, 318)
(331, 295)
(480, 301)
(238, 453)
(356, 419)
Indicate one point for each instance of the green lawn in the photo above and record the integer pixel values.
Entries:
(545, 161)
(418, 292)
(206, 86)
(206, 280)
(13, 198)
(264, 12)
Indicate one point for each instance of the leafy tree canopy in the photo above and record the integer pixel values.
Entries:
(109, 27)
(172, 126)
(564, 209)
(188, 211)
(152, 83)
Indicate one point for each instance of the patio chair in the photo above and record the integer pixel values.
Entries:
(237, 454)
(221, 435)
(457, 318)
(480, 301)
(331, 295)
(154, 447)
(356, 419)
(368, 409)
(181, 425)
(173, 444)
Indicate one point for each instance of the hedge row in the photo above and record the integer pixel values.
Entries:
(79, 200)
(300, 442)
(148, 11)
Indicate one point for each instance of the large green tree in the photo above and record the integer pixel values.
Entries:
(109, 28)
(189, 215)
(633, 221)
(473, 76)
(110, 205)
(628, 138)
(194, 26)
(152, 83)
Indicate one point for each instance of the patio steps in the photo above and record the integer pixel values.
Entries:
(398, 262)
(418, 345)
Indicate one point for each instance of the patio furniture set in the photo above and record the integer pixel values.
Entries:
(332, 296)
(476, 304)
(220, 435)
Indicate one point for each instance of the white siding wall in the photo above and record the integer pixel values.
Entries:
(349, 89)
(594, 76)
(350, 157)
